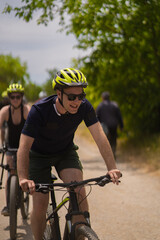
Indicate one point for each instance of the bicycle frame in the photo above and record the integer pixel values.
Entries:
(6, 167)
(55, 214)
(15, 197)
(72, 198)
(73, 208)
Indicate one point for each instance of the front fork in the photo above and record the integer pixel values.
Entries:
(75, 212)
(72, 226)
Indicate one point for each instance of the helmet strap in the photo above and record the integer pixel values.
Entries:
(61, 101)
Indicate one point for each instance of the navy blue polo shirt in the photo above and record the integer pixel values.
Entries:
(54, 133)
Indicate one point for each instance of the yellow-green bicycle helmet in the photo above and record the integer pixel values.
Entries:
(69, 77)
(4, 94)
(15, 87)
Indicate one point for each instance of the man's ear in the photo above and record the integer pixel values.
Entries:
(59, 93)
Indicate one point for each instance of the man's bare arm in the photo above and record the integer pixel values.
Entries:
(105, 150)
(23, 162)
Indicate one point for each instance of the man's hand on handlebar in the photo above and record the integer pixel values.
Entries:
(115, 174)
(27, 185)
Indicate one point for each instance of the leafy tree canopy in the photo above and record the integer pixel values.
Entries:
(124, 37)
(12, 70)
(47, 87)
(32, 91)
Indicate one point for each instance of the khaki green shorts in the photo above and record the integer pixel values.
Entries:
(40, 164)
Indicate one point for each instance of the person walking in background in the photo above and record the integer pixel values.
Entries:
(109, 115)
(14, 115)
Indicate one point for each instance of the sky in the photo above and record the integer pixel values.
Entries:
(40, 47)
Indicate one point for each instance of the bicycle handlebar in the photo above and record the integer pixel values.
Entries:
(3, 150)
(101, 181)
(7, 149)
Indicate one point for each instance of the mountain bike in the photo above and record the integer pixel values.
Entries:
(72, 231)
(16, 198)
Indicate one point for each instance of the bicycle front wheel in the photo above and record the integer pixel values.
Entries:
(24, 205)
(13, 204)
(85, 232)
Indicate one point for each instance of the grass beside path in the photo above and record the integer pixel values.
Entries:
(144, 152)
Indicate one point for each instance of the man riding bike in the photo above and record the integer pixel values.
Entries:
(47, 140)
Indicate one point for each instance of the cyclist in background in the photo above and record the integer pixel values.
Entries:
(15, 115)
(47, 140)
(41, 95)
(5, 99)
(4, 102)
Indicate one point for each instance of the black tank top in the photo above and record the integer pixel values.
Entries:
(14, 131)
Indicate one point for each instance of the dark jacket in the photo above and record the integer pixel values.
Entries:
(108, 113)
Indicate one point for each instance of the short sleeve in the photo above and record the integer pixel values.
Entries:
(90, 115)
(33, 123)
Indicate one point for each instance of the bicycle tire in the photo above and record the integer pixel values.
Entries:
(24, 205)
(50, 230)
(8, 190)
(13, 206)
(85, 232)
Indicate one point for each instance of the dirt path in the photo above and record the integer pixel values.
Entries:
(129, 211)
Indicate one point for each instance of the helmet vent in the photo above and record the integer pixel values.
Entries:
(61, 76)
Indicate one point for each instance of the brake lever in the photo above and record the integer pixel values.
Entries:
(104, 181)
(42, 189)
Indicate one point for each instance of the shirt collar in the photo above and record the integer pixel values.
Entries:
(54, 105)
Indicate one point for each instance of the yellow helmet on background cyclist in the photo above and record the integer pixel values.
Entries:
(69, 77)
(15, 87)
(4, 94)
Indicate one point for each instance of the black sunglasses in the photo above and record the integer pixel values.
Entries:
(17, 97)
(72, 97)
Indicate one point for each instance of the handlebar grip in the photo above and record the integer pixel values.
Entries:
(104, 181)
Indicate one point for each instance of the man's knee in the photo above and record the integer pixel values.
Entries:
(40, 203)
(71, 174)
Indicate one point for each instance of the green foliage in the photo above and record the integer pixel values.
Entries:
(123, 37)
(12, 70)
(26, 10)
(32, 91)
(47, 87)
